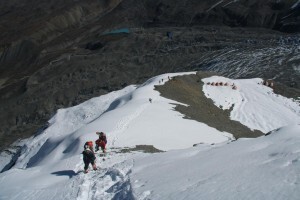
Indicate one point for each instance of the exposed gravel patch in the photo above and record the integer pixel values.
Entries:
(143, 148)
(188, 90)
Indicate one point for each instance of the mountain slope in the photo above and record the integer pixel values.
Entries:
(52, 160)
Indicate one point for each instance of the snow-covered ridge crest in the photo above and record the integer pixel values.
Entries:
(113, 113)
(253, 104)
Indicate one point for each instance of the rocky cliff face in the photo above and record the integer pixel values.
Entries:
(279, 15)
(55, 54)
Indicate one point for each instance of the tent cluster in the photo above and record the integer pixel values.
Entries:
(233, 86)
(269, 83)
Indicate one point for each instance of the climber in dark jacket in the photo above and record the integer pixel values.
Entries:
(88, 157)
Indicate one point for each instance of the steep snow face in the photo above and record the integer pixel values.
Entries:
(252, 103)
(60, 132)
(264, 168)
(62, 138)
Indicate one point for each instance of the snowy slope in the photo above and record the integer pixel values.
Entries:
(253, 104)
(264, 168)
(50, 163)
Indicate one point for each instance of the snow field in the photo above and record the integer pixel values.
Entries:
(253, 104)
(264, 168)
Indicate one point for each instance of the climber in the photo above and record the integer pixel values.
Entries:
(89, 156)
(101, 142)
